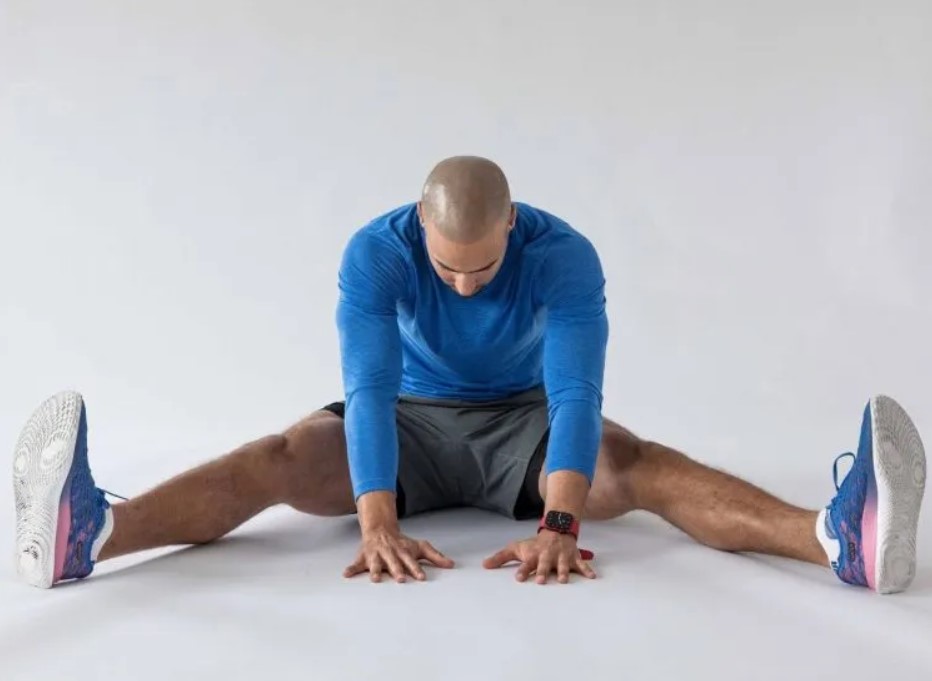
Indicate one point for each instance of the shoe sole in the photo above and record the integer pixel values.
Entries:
(900, 473)
(41, 464)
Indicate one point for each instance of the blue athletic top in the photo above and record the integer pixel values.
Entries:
(403, 331)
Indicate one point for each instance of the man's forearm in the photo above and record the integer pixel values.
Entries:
(575, 434)
(371, 439)
(567, 491)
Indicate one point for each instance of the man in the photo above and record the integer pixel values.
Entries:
(473, 335)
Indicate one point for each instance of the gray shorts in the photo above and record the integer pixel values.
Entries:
(454, 453)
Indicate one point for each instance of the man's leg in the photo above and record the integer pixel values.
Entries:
(867, 534)
(305, 467)
(712, 507)
(64, 525)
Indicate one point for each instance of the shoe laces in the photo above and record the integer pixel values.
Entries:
(835, 468)
(116, 496)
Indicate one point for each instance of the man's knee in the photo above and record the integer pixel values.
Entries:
(301, 446)
(309, 464)
(620, 449)
(610, 495)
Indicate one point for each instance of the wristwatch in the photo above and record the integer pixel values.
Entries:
(561, 522)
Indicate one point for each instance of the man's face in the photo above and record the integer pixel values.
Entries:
(467, 268)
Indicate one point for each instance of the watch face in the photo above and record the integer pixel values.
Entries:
(559, 521)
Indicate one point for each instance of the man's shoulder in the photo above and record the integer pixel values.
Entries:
(549, 235)
(389, 235)
(396, 225)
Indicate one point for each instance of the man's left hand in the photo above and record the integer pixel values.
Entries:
(548, 552)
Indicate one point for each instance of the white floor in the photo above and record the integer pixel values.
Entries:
(270, 602)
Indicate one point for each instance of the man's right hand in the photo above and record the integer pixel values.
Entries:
(392, 552)
(384, 548)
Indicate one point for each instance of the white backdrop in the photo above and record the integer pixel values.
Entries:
(177, 181)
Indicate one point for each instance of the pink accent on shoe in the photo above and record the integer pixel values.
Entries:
(63, 530)
(869, 534)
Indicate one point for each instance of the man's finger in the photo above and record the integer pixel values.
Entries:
(525, 570)
(375, 568)
(563, 569)
(544, 566)
(428, 552)
(585, 569)
(506, 555)
(394, 565)
(412, 565)
(356, 568)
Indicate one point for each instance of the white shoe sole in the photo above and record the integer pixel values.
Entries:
(900, 472)
(41, 463)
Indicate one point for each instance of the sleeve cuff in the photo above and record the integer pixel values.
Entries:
(375, 485)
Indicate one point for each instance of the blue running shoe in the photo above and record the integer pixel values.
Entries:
(62, 519)
(869, 529)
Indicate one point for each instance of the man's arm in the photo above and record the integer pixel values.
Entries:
(575, 343)
(371, 280)
(572, 288)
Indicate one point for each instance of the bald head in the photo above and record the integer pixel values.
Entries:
(465, 198)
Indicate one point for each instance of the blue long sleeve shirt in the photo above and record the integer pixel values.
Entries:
(403, 331)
